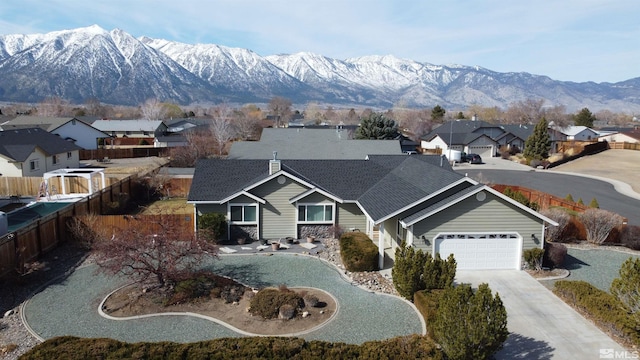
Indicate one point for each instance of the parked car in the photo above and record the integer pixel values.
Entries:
(471, 158)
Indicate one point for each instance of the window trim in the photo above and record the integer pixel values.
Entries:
(55, 159)
(325, 221)
(243, 205)
(34, 165)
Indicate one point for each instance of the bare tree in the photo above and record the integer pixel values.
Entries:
(198, 147)
(153, 109)
(53, 106)
(222, 130)
(599, 223)
(158, 250)
(280, 107)
(247, 124)
(529, 111)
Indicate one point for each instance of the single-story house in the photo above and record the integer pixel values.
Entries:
(476, 137)
(33, 151)
(80, 132)
(391, 198)
(632, 136)
(311, 143)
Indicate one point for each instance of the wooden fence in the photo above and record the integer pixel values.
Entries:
(26, 244)
(99, 154)
(146, 224)
(624, 146)
(30, 186)
(543, 199)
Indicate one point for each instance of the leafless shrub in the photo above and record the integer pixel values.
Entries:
(554, 233)
(85, 230)
(598, 224)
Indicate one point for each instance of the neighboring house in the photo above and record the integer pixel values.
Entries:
(80, 132)
(475, 137)
(627, 136)
(132, 128)
(391, 198)
(33, 151)
(170, 141)
(558, 134)
(304, 143)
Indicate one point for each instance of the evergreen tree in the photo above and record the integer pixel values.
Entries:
(437, 113)
(594, 204)
(470, 325)
(407, 270)
(584, 118)
(376, 126)
(460, 116)
(538, 144)
(627, 287)
(569, 198)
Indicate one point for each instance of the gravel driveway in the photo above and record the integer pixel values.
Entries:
(70, 307)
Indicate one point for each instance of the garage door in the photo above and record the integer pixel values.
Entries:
(481, 251)
(485, 151)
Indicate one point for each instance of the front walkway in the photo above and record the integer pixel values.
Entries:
(70, 307)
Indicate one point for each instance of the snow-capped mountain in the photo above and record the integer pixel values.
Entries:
(116, 68)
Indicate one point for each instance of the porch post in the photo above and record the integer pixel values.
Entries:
(381, 247)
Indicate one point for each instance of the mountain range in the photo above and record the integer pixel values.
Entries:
(117, 68)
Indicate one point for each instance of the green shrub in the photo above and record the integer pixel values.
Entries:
(268, 301)
(407, 270)
(143, 142)
(533, 258)
(626, 287)
(554, 254)
(67, 347)
(358, 252)
(603, 308)
(521, 198)
(426, 301)
(569, 198)
(594, 204)
(438, 273)
(215, 224)
(468, 324)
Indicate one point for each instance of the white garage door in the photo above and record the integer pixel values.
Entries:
(481, 251)
(485, 151)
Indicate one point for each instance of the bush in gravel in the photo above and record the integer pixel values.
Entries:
(533, 258)
(358, 252)
(268, 301)
(554, 254)
(559, 215)
(603, 308)
(215, 224)
(286, 312)
(311, 300)
(598, 224)
(438, 273)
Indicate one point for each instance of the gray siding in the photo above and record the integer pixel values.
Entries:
(278, 216)
(470, 215)
(349, 217)
(316, 198)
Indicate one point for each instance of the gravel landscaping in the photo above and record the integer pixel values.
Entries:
(69, 307)
(597, 266)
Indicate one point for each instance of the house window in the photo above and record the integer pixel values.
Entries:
(56, 159)
(315, 213)
(145, 133)
(34, 165)
(69, 155)
(241, 213)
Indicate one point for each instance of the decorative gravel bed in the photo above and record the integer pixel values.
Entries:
(597, 266)
(69, 308)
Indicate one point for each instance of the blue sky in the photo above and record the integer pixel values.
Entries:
(570, 40)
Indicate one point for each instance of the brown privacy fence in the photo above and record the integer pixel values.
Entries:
(99, 154)
(589, 149)
(624, 146)
(146, 224)
(30, 186)
(26, 244)
(543, 199)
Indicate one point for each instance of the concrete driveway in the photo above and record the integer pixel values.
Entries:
(541, 325)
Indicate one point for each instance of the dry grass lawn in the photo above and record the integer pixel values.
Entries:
(168, 206)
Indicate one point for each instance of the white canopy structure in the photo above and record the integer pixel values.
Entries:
(95, 182)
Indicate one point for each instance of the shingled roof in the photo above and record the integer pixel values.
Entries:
(18, 144)
(381, 184)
